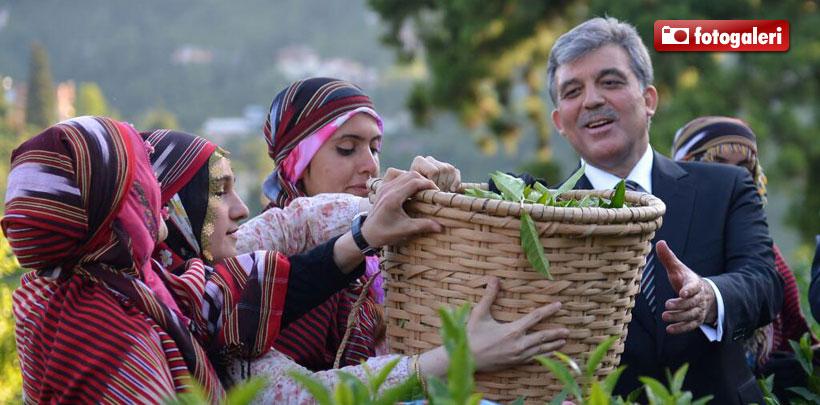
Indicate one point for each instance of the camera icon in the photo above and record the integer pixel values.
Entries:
(674, 36)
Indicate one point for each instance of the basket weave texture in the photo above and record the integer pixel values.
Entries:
(596, 256)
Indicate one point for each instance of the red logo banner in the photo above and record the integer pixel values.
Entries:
(721, 35)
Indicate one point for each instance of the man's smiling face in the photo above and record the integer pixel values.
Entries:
(602, 111)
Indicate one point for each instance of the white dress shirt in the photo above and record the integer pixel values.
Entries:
(642, 174)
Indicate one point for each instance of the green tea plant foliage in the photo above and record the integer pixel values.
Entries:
(658, 394)
(460, 386)
(767, 387)
(241, 394)
(810, 394)
(350, 390)
(459, 389)
(582, 386)
(514, 189)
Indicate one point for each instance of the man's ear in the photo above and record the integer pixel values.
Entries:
(556, 120)
(650, 99)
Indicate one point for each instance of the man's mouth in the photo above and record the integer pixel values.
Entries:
(598, 123)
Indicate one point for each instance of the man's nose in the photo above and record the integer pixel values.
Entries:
(593, 98)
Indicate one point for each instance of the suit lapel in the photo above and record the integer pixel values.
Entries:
(672, 185)
(583, 183)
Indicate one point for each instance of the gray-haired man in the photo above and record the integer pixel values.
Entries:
(698, 304)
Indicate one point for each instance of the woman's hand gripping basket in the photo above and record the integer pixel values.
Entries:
(596, 257)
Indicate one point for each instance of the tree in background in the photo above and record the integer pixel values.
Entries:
(91, 101)
(4, 105)
(775, 92)
(41, 103)
(10, 272)
(158, 118)
(486, 63)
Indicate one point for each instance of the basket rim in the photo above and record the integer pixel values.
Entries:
(646, 207)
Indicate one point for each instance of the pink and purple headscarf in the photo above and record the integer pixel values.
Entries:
(302, 118)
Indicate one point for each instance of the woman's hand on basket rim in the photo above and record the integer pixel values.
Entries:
(498, 345)
(388, 223)
(445, 175)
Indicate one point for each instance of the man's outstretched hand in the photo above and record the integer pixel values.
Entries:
(696, 303)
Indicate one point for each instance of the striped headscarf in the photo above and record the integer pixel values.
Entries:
(180, 161)
(82, 209)
(708, 138)
(253, 285)
(302, 117)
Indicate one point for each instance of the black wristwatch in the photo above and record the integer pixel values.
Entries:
(356, 230)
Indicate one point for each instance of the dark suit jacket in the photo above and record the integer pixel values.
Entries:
(715, 224)
(814, 288)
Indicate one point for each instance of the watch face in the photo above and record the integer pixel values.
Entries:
(358, 238)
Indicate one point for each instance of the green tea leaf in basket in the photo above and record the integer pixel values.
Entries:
(479, 193)
(570, 183)
(545, 199)
(619, 196)
(531, 244)
(533, 197)
(511, 187)
(546, 196)
(588, 201)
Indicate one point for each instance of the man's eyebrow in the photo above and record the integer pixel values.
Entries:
(611, 71)
(567, 83)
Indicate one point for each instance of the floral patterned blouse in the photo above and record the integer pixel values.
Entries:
(282, 389)
(303, 224)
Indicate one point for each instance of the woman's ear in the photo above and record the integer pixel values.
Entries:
(162, 234)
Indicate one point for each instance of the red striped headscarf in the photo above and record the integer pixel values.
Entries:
(80, 204)
(253, 286)
(707, 138)
(297, 113)
(304, 111)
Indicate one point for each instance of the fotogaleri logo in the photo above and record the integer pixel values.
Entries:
(721, 35)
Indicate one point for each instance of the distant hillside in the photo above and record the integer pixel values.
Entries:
(195, 58)
(211, 58)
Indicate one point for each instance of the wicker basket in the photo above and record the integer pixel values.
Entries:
(596, 258)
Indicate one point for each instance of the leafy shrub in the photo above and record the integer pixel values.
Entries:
(11, 388)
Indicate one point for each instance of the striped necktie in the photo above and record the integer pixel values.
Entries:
(648, 278)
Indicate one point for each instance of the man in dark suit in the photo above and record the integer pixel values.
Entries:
(814, 288)
(710, 280)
